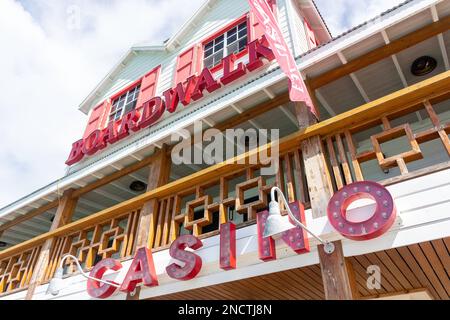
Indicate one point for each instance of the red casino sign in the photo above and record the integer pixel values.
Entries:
(142, 268)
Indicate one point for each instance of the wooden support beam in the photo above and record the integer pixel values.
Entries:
(317, 174)
(29, 215)
(79, 192)
(63, 216)
(159, 174)
(381, 53)
(338, 278)
(337, 274)
(112, 177)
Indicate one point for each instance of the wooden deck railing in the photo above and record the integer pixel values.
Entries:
(395, 143)
(213, 191)
(16, 270)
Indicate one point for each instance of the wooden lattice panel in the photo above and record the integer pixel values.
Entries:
(16, 271)
(175, 212)
(345, 161)
(112, 237)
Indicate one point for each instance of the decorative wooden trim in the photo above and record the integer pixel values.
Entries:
(381, 53)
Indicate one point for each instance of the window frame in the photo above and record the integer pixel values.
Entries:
(223, 31)
(133, 86)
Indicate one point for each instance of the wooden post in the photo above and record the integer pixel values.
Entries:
(63, 216)
(337, 274)
(317, 175)
(159, 173)
(338, 279)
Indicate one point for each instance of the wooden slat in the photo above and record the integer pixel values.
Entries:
(289, 178)
(385, 272)
(403, 267)
(417, 270)
(364, 264)
(298, 172)
(428, 269)
(355, 162)
(381, 53)
(437, 266)
(313, 287)
(344, 162)
(443, 254)
(334, 163)
(301, 288)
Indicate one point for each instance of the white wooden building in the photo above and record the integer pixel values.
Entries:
(383, 118)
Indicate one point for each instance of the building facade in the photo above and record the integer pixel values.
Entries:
(382, 90)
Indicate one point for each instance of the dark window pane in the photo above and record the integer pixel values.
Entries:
(232, 31)
(218, 47)
(219, 38)
(233, 48)
(231, 38)
(209, 62)
(208, 52)
(242, 26)
(242, 33)
(242, 44)
(130, 98)
(209, 45)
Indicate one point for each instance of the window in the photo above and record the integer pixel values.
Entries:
(232, 41)
(124, 104)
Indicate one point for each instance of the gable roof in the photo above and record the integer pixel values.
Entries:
(168, 46)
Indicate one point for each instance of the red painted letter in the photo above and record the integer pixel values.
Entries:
(192, 262)
(142, 269)
(129, 122)
(228, 246)
(229, 73)
(153, 110)
(205, 81)
(91, 143)
(296, 238)
(109, 135)
(180, 94)
(101, 290)
(373, 227)
(256, 50)
(76, 154)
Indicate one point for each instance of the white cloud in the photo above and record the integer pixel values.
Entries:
(48, 68)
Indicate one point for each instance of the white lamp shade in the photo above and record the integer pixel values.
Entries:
(56, 283)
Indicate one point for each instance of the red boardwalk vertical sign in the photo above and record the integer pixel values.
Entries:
(272, 31)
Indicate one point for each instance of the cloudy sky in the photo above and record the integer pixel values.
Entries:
(55, 51)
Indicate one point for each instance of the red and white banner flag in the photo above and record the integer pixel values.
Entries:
(297, 88)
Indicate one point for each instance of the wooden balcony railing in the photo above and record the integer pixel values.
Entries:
(112, 238)
(236, 196)
(392, 142)
(16, 270)
(199, 202)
